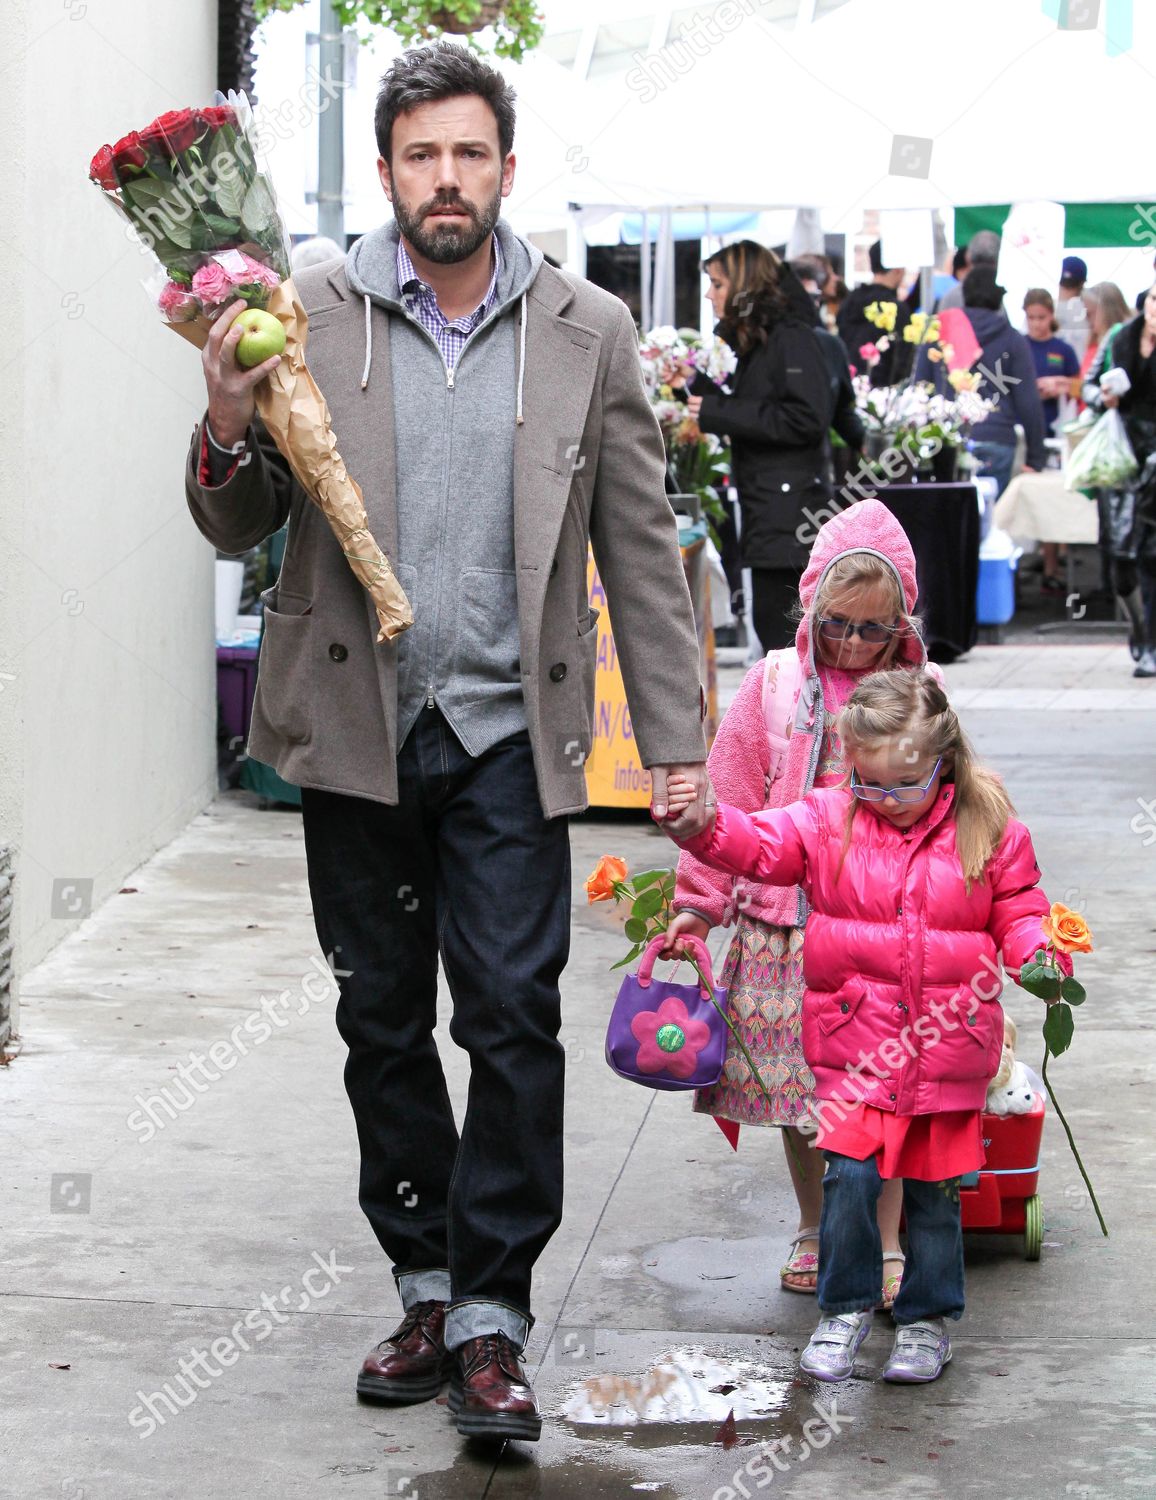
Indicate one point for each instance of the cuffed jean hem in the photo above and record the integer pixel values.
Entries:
(846, 1307)
(423, 1286)
(953, 1317)
(471, 1319)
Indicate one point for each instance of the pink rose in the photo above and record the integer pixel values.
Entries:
(177, 302)
(215, 280)
(870, 352)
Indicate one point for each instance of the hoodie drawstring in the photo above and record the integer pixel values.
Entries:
(368, 343)
(519, 418)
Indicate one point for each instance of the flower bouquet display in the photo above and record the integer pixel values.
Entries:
(190, 186)
(696, 461)
(912, 416)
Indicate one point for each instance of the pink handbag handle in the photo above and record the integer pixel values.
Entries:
(697, 947)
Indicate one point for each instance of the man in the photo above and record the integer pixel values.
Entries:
(856, 329)
(493, 410)
(982, 250)
(1071, 312)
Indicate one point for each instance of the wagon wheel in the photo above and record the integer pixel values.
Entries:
(1033, 1227)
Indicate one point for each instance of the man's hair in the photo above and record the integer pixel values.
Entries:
(983, 248)
(959, 262)
(980, 289)
(442, 70)
(875, 259)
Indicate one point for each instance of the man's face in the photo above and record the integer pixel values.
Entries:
(446, 180)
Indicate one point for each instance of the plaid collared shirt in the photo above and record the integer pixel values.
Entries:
(421, 300)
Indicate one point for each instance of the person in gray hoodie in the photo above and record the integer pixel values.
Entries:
(494, 413)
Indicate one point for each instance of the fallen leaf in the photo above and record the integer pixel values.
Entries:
(728, 1434)
(722, 1390)
(128, 890)
(1001, 1372)
(933, 1455)
(51, 1366)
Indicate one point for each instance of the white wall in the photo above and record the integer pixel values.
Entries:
(107, 675)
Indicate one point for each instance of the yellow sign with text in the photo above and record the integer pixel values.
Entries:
(615, 776)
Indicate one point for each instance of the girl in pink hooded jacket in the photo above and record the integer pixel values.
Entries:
(919, 878)
(857, 596)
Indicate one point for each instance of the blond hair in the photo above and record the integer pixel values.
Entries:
(856, 573)
(887, 707)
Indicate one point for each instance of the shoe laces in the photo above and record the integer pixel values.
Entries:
(499, 1349)
(415, 1316)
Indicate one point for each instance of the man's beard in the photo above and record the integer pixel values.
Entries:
(446, 244)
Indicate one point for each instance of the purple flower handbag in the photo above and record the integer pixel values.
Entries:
(665, 1035)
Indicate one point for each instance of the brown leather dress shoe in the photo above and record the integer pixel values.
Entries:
(490, 1396)
(411, 1364)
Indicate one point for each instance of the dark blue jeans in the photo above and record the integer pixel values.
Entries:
(851, 1254)
(995, 460)
(466, 867)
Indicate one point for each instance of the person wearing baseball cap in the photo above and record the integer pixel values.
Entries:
(1071, 314)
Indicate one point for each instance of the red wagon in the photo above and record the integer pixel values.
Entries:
(1002, 1197)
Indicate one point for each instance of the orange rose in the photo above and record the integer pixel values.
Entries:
(600, 883)
(1067, 930)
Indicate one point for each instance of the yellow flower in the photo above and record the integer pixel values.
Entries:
(881, 314)
(963, 380)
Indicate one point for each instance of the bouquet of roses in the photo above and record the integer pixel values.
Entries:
(190, 186)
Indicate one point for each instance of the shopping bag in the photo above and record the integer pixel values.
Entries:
(666, 1035)
(1104, 460)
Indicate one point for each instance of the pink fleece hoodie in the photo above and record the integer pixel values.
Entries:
(740, 759)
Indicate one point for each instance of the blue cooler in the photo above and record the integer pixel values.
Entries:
(995, 600)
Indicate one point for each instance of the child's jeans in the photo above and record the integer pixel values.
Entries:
(851, 1254)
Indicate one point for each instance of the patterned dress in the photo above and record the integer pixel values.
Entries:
(764, 979)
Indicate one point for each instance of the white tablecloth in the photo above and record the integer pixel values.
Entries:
(1038, 505)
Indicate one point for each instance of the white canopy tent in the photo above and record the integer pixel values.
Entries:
(884, 104)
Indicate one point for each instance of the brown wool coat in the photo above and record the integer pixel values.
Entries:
(588, 468)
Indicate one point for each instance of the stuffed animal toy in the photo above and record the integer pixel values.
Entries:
(1007, 1057)
(1015, 1097)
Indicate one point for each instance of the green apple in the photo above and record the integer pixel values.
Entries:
(263, 337)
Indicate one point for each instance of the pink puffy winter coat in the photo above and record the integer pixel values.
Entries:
(900, 962)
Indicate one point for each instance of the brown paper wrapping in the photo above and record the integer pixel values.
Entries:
(297, 418)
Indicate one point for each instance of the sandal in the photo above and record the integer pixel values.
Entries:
(891, 1282)
(803, 1265)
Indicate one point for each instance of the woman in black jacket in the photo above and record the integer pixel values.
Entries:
(776, 419)
(1131, 514)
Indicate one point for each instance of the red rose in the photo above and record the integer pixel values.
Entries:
(128, 152)
(103, 171)
(171, 133)
(216, 115)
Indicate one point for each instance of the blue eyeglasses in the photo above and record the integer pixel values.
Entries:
(906, 794)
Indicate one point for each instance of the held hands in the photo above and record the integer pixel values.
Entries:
(230, 386)
(693, 407)
(683, 800)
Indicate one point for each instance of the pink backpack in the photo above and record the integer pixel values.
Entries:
(782, 685)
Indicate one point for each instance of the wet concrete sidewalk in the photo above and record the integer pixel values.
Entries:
(194, 1226)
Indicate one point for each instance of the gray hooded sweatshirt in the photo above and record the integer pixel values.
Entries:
(454, 463)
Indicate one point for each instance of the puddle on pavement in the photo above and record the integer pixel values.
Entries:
(688, 1397)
